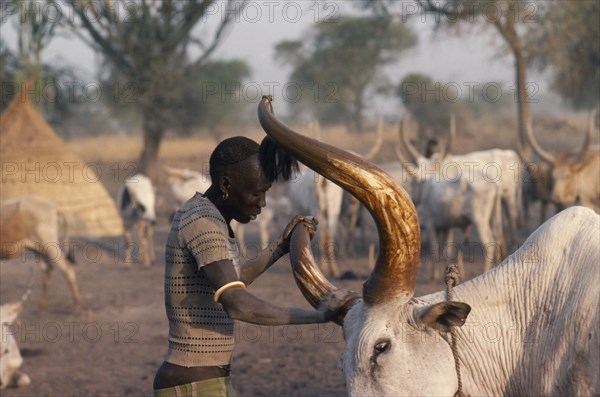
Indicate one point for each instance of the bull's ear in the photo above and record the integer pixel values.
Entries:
(442, 316)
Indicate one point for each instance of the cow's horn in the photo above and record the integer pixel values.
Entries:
(544, 155)
(378, 141)
(312, 283)
(451, 134)
(585, 147)
(390, 206)
(412, 151)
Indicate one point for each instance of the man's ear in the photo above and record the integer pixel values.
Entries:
(442, 316)
(224, 184)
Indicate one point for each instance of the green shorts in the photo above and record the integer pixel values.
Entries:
(216, 387)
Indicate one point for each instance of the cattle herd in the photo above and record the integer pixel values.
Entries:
(401, 206)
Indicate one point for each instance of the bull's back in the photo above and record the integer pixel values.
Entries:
(25, 221)
(564, 326)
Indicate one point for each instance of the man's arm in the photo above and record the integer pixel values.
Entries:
(240, 304)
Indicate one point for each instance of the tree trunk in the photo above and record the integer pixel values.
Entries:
(154, 130)
(358, 113)
(523, 109)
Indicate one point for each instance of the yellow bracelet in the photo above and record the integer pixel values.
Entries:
(226, 287)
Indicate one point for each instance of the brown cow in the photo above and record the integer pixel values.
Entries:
(575, 176)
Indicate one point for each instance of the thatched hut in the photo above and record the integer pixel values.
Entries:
(35, 160)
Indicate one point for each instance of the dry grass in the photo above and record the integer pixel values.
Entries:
(494, 131)
(117, 155)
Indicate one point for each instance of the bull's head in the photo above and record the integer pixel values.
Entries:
(567, 181)
(392, 341)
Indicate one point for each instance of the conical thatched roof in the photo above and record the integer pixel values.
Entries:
(35, 160)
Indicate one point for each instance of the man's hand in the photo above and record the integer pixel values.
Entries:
(309, 221)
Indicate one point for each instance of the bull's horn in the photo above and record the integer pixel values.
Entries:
(174, 171)
(544, 155)
(588, 137)
(312, 283)
(410, 167)
(412, 151)
(451, 135)
(378, 140)
(390, 206)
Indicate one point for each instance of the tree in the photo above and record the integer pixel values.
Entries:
(35, 29)
(567, 46)
(9, 67)
(211, 94)
(340, 61)
(423, 99)
(514, 21)
(207, 96)
(35, 24)
(149, 43)
(431, 103)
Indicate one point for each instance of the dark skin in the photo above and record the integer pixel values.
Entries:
(239, 194)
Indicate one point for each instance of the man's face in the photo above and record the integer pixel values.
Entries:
(249, 186)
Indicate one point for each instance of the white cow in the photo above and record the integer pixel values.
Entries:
(10, 355)
(136, 203)
(460, 203)
(184, 183)
(528, 327)
(500, 169)
(35, 224)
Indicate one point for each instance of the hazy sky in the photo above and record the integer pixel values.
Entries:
(462, 60)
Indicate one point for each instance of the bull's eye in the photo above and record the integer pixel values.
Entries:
(382, 346)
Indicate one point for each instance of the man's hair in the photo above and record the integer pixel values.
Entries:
(276, 162)
(229, 152)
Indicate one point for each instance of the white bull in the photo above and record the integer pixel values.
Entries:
(35, 224)
(500, 169)
(10, 355)
(460, 203)
(136, 203)
(528, 327)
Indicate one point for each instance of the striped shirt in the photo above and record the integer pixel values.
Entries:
(200, 332)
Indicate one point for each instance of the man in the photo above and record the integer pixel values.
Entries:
(205, 281)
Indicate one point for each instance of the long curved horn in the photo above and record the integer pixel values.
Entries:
(588, 137)
(399, 154)
(544, 155)
(412, 151)
(451, 135)
(312, 283)
(378, 140)
(390, 206)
